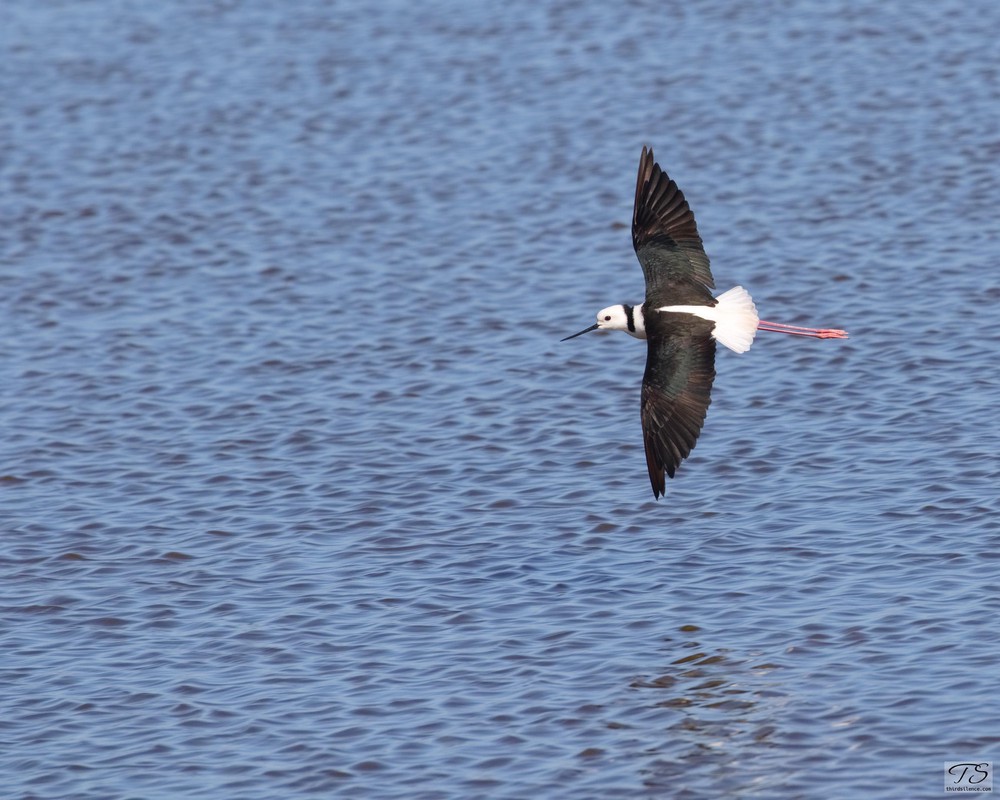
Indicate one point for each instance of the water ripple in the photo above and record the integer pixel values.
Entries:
(303, 497)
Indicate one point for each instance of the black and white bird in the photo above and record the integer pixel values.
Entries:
(680, 320)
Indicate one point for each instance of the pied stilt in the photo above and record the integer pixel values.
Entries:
(680, 320)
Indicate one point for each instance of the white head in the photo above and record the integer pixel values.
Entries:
(613, 318)
(617, 318)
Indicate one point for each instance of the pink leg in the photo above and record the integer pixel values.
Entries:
(798, 330)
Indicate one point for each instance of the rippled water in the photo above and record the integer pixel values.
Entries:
(302, 497)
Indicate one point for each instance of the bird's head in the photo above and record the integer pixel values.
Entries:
(612, 318)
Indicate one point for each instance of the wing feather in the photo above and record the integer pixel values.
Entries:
(666, 239)
(676, 391)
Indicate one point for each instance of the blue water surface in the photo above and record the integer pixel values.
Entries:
(301, 496)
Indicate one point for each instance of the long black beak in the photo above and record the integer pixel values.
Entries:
(585, 330)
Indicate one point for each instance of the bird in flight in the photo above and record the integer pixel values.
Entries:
(680, 320)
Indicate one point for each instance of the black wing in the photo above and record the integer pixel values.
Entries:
(676, 390)
(666, 240)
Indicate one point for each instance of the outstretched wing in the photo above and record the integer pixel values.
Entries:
(676, 390)
(666, 240)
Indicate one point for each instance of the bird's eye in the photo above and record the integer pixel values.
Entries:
(607, 318)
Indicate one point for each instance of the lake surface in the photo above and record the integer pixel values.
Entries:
(301, 496)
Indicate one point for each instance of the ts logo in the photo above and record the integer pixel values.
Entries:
(968, 776)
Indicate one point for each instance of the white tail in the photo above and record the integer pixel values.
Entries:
(736, 319)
